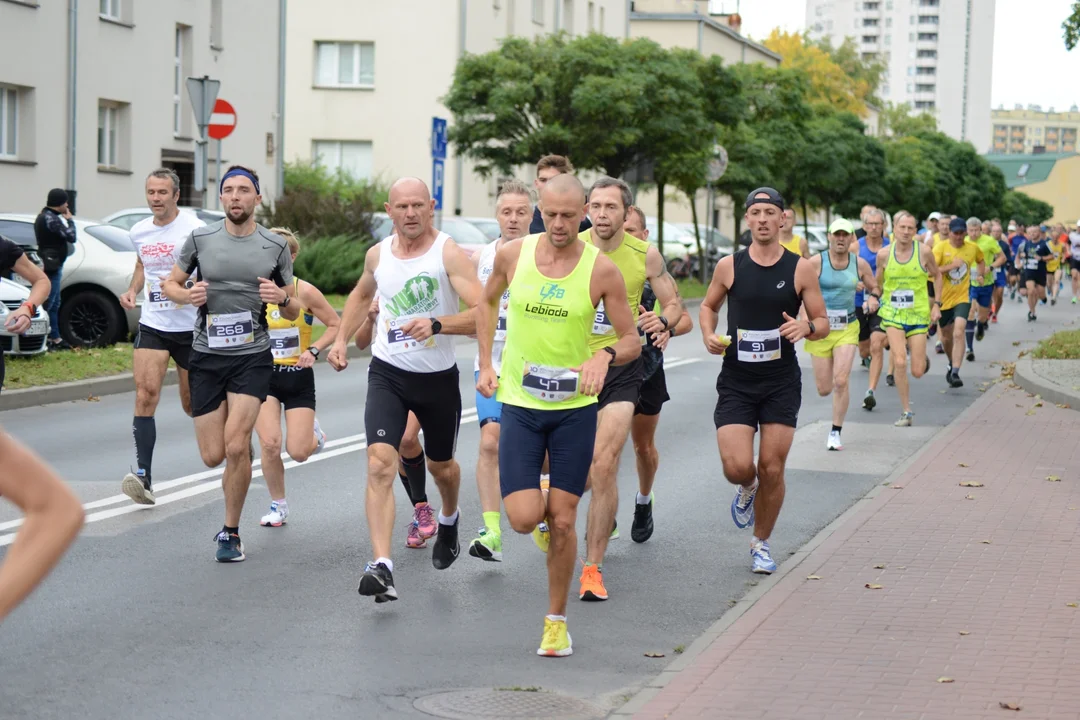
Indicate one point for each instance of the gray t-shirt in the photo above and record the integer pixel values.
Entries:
(233, 320)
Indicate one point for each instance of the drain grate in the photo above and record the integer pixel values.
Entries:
(508, 704)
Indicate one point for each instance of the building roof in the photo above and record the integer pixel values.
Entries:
(1026, 169)
(705, 20)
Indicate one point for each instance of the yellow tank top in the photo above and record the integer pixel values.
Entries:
(794, 245)
(629, 257)
(289, 339)
(548, 325)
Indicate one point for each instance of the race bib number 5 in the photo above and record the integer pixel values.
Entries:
(601, 325)
(399, 342)
(285, 343)
(229, 330)
(902, 299)
(758, 345)
(550, 384)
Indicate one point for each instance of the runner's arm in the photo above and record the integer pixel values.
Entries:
(809, 289)
(608, 279)
(282, 278)
(872, 289)
(359, 301)
(173, 287)
(665, 289)
(932, 269)
(685, 325)
(39, 281)
(715, 295)
(53, 518)
(138, 278)
(882, 261)
(312, 298)
(466, 284)
(487, 310)
(804, 248)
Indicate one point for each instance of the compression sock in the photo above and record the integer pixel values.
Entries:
(416, 474)
(145, 431)
(969, 333)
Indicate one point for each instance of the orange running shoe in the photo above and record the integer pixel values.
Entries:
(592, 584)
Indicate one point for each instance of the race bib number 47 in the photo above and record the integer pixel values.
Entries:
(758, 345)
(229, 330)
(550, 384)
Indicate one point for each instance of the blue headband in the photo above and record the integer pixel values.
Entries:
(242, 173)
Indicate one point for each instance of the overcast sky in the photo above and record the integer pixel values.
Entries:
(1031, 65)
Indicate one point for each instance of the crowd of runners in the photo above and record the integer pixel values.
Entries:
(572, 308)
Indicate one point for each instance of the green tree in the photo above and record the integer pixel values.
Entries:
(867, 74)
(897, 120)
(846, 84)
(910, 180)
(1025, 209)
(1071, 27)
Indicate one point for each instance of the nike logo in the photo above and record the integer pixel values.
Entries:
(267, 247)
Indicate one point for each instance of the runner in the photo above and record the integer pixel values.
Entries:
(839, 271)
(20, 320)
(292, 386)
(1053, 265)
(982, 292)
(231, 363)
(53, 516)
(871, 337)
(652, 397)
(638, 261)
(1017, 237)
(1074, 261)
(421, 276)
(789, 240)
(165, 328)
(760, 384)
(956, 256)
(551, 377)
(548, 167)
(932, 224)
(907, 309)
(1032, 257)
(1002, 273)
(513, 208)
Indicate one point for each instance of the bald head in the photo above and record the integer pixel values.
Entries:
(409, 186)
(411, 207)
(562, 207)
(565, 184)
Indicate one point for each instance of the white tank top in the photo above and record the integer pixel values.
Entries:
(1074, 245)
(414, 288)
(483, 270)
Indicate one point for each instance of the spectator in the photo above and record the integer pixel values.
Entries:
(548, 167)
(12, 258)
(54, 230)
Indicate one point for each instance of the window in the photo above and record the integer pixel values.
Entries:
(888, 22)
(601, 26)
(353, 158)
(870, 39)
(592, 16)
(910, 70)
(538, 12)
(929, 3)
(568, 16)
(888, 39)
(911, 37)
(870, 22)
(109, 9)
(111, 135)
(927, 54)
(924, 105)
(924, 88)
(926, 71)
(345, 64)
(871, 5)
(928, 19)
(928, 37)
(217, 35)
(112, 237)
(9, 122)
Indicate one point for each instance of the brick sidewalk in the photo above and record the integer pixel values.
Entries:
(831, 648)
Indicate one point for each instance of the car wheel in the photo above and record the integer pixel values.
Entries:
(90, 318)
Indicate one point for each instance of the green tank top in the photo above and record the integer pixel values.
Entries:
(904, 297)
(549, 323)
(629, 257)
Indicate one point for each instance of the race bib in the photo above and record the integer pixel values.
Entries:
(156, 300)
(758, 345)
(550, 384)
(601, 325)
(838, 319)
(399, 342)
(1032, 263)
(285, 343)
(500, 328)
(902, 299)
(229, 330)
(957, 275)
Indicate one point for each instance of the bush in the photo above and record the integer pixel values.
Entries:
(320, 204)
(332, 264)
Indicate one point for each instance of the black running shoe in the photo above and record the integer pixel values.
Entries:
(971, 356)
(229, 547)
(446, 548)
(954, 379)
(377, 581)
(642, 528)
(980, 332)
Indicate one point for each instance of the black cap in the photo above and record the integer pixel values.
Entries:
(57, 197)
(770, 197)
(957, 225)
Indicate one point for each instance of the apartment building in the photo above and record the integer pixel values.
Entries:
(362, 89)
(939, 54)
(1030, 130)
(92, 95)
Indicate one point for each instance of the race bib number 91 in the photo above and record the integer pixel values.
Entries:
(758, 345)
(550, 384)
(229, 330)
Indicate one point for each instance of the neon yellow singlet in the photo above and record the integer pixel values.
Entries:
(289, 339)
(629, 257)
(548, 325)
(794, 245)
(905, 299)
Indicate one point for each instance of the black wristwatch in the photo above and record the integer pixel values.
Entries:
(286, 301)
(665, 321)
(610, 350)
(436, 326)
(810, 324)
(314, 351)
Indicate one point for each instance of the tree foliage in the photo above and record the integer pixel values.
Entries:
(1024, 208)
(1071, 27)
(838, 78)
(897, 120)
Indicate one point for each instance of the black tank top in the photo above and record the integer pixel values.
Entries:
(758, 298)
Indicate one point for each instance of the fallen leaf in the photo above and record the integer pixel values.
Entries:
(897, 487)
(963, 465)
(1053, 478)
(1064, 406)
(901, 567)
(879, 567)
(1031, 394)
(964, 632)
(985, 542)
(1019, 405)
(654, 654)
(945, 680)
(1030, 412)
(1009, 706)
(982, 389)
(969, 497)
(942, 391)
(1072, 604)
(1016, 343)
(1038, 404)
(1072, 507)
(813, 577)
(971, 483)
(873, 586)
(93, 398)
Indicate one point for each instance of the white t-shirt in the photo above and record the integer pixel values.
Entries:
(483, 271)
(159, 249)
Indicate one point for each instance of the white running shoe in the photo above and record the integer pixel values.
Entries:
(279, 513)
(320, 436)
(833, 443)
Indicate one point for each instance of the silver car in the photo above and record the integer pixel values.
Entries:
(32, 342)
(127, 218)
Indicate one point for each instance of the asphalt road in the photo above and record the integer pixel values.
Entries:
(140, 622)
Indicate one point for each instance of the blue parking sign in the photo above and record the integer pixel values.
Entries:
(438, 138)
(438, 176)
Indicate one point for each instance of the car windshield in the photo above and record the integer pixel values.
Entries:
(488, 227)
(115, 238)
(464, 233)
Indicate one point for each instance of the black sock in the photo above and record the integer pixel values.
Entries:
(145, 431)
(231, 530)
(415, 478)
(969, 335)
(837, 428)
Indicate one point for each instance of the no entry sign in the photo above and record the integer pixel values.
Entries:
(222, 121)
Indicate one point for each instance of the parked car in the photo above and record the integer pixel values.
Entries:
(465, 234)
(488, 226)
(24, 237)
(817, 237)
(12, 296)
(96, 273)
(678, 244)
(126, 219)
(716, 242)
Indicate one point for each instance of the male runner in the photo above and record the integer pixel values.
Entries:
(760, 384)
(789, 240)
(653, 394)
(242, 266)
(982, 291)
(513, 208)
(1053, 265)
(551, 376)
(1074, 262)
(638, 261)
(871, 338)
(165, 328)
(839, 272)
(421, 276)
(956, 256)
(1003, 273)
(1017, 237)
(1032, 257)
(548, 167)
(907, 308)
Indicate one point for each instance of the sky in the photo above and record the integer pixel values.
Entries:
(1031, 65)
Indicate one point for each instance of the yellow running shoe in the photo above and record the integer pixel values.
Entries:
(592, 584)
(541, 535)
(556, 641)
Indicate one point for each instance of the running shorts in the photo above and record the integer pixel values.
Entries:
(983, 296)
(293, 387)
(177, 344)
(909, 330)
(753, 401)
(1036, 276)
(653, 394)
(623, 383)
(1000, 280)
(824, 347)
(949, 316)
(565, 436)
(213, 376)
(868, 323)
(1074, 264)
(487, 409)
(434, 398)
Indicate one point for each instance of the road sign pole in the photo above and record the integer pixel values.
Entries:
(200, 169)
(217, 177)
(203, 94)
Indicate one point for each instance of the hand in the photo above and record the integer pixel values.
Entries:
(373, 311)
(67, 213)
(794, 330)
(488, 382)
(935, 313)
(270, 293)
(305, 360)
(717, 344)
(649, 321)
(338, 356)
(661, 340)
(872, 304)
(127, 300)
(419, 329)
(197, 293)
(593, 372)
(18, 321)
(860, 287)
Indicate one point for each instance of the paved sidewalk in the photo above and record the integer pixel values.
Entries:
(977, 590)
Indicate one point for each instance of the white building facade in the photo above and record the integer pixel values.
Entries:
(939, 54)
(99, 124)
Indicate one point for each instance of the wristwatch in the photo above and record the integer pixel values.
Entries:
(436, 326)
(810, 324)
(665, 321)
(610, 350)
(314, 351)
(286, 301)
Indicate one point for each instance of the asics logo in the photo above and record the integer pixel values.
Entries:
(781, 284)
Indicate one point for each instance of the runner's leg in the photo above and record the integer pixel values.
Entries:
(612, 430)
(210, 435)
(243, 410)
(842, 360)
(877, 357)
(772, 456)
(149, 368)
(268, 428)
(898, 353)
(643, 434)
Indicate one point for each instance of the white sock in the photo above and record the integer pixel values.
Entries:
(387, 562)
(644, 499)
(281, 502)
(443, 520)
(755, 542)
(557, 618)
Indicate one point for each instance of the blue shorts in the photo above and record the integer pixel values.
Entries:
(566, 436)
(984, 295)
(487, 409)
(1000, 278)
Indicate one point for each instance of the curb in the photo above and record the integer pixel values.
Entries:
(1025, 376)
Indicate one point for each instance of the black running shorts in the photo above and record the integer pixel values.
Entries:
(653, 394)
(434, 398)
(868, 323)
(293, 387)
(177, 344)
(1036, 276)
(214, 376)
(623, 383)
(755, 402)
